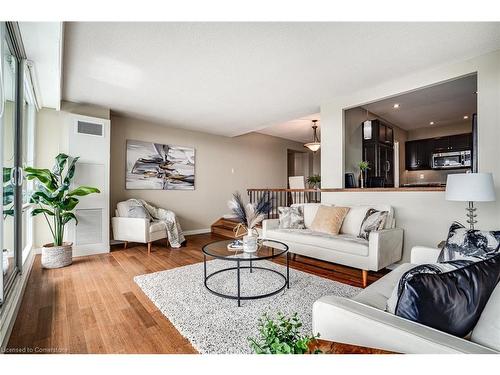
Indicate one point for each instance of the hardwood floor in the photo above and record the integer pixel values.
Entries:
(94, 306)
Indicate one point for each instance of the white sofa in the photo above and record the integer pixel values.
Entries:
(382, 248)
(363, 320)
(130, 229)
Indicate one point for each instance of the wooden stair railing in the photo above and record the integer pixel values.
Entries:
(284, 197)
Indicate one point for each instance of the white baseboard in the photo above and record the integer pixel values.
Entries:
(196, 231)
(9, 311)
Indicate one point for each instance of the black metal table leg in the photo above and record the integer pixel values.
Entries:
(204, 267)
(238, 277)
(287, 270)
(251, 268)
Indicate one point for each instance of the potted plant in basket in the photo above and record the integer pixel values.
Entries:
(363, 167)
(249, 216)
(56, 202)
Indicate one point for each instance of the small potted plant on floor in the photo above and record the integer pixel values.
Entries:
(56, 202)
(363, 167)
(282, 336)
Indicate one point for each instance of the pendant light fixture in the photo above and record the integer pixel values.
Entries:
(315, 144)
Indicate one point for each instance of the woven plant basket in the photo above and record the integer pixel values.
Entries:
(57, 256)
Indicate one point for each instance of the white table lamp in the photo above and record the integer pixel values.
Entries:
(470, 187)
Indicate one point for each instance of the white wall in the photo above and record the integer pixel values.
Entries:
(425, 216)
(51, 137)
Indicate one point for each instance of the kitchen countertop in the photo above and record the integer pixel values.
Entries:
(387, 189)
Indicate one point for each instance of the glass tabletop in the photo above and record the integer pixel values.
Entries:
(266, 249)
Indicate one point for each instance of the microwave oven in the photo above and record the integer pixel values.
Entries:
(456, 159)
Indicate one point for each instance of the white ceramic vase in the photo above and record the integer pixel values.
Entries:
(250, 243)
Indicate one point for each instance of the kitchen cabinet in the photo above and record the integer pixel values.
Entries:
(418, 153)
(380, 133)
(452, 143)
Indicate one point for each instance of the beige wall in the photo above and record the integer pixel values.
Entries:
(223, 165)
(51, 138)
(440, 131)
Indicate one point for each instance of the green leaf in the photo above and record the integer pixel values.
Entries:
(8, 212)
(38, 211)
(61, 160)
(83, 190)
(71, 171)
(68, 204)
(6, 174)
(45, 176)
(42, 197)
(68, 216)
(8, 195)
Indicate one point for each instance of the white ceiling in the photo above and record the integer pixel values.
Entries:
(232, 78)
(443, 104)
(299, 130)
(43, 44)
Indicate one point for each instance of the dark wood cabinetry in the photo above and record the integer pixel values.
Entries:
(418, 153)
(378, 150)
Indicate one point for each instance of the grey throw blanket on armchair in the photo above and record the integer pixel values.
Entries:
(166, 217)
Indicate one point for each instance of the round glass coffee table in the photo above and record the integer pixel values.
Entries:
(239, 261)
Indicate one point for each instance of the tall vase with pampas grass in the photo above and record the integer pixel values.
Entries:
(249, 216)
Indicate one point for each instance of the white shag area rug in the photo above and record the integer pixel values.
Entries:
(216, 325)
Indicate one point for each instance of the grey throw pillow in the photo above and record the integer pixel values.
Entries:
(374, 220)
(291, 217)
(137, 210)
(469, 244)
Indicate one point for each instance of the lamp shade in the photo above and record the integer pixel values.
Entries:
(470, 187)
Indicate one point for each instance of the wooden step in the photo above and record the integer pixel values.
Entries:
(222, 231)
(224, 227)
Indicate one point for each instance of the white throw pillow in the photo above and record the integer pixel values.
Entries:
(487, 330)
(353, 220)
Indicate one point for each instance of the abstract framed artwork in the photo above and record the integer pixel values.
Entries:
(155, 166)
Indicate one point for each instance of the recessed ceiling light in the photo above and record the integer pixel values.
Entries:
(431, 123)
(466, 117)
(396, 105)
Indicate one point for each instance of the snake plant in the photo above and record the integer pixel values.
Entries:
(53, 196)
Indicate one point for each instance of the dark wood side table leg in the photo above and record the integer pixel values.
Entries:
(238, 277)
(288, 270)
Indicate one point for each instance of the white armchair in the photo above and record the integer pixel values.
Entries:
(132, 229)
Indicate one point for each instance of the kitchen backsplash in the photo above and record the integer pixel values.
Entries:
(427, 176)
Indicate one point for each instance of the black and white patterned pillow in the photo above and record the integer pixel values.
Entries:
(469, 244)
(374, 220)
(291, 217)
